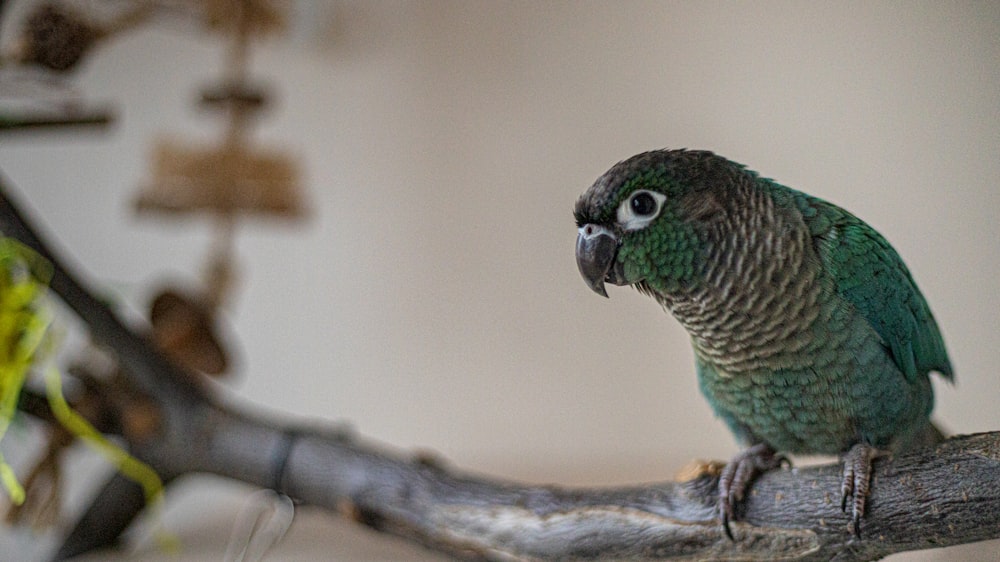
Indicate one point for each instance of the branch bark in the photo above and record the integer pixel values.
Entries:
(932, 497)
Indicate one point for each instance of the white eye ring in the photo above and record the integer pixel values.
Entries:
(635, 211)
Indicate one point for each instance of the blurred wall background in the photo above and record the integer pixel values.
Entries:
(432, 298)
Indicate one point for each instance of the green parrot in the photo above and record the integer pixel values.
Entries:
(809, 333)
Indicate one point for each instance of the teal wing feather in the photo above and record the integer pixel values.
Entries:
(870, 275)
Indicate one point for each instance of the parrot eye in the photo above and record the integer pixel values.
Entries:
(640, 208)
(642, 204)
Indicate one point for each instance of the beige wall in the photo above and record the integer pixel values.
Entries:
(433, 299)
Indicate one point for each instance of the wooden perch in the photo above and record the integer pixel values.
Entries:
(933, 497)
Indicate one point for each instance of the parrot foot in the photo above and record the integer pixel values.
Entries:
(856, 482)
(738, 474)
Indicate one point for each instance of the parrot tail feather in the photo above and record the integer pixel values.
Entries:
(929, 434)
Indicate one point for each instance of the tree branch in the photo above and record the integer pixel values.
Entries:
(932, 497)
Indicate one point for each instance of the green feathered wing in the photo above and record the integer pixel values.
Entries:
(870, 275)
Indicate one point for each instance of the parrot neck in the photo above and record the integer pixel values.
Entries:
(758, 291)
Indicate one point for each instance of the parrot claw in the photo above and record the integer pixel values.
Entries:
(736, 478)
(856, 482)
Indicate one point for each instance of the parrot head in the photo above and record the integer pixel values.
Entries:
(649, 220)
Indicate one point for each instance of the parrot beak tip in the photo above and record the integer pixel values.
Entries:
(596, 248)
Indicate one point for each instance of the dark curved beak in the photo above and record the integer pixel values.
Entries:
(596, 249)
